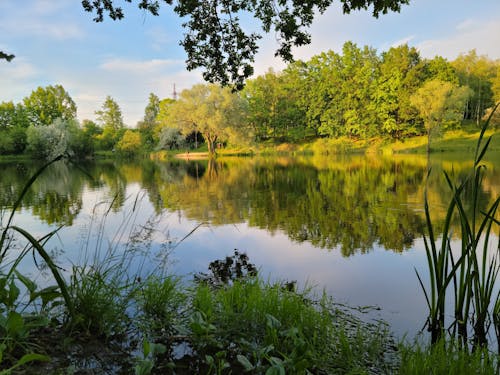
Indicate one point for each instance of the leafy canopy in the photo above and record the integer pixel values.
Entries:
(215, 41)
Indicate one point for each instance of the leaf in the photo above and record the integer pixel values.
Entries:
(13, 293)
(15, 323)
(272, 322)
(32, 357)
(158, 348)
(146, 348)
(29, 284)
(247, 365)
(144, 367)
(49, 294)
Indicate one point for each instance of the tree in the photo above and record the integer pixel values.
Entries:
(149, 123)
(130, 143)
(215, 41)
(400, 74)
(46, 104)
(212, 110)
(13, 124)
(272, 105)
(13, 116)
(110, 119)
(49, 141)
(477, 72)
(438, 103)
(170, 139)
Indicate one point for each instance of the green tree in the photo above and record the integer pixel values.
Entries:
(439, 103)
(13, 124)
(170, 139)
(46, 104)
(273, 110)
(476, 72)
(214, 111)
(130, 143)
(215, 41)
(338, 90)
(401, 73)
(359, 72)
(162, 118)
(109, 117)
(149, 123)
(49, 141)
(442, 69)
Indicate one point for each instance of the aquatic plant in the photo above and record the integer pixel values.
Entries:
(474, 270)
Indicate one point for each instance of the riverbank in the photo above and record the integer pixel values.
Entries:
(453, 141)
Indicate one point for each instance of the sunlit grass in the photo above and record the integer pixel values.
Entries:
(444, 358)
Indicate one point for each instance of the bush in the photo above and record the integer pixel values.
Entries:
(170, 139)
(130, 144)
(47, 142)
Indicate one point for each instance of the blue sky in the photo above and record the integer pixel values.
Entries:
(56, 42)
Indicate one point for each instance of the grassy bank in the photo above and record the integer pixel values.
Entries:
(451, 141)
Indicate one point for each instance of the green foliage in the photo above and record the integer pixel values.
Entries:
(440, 104)
(149, 123)
(100, 302)
(446, 357)
(160, 301)
(15, 324)
(170, 139)
(264, 328)
(476, 72)
(45, 105)
(109, 117)
(7, 56)
(273, 111)
(149, 351)
(130, 143)
(215, 112)
(58, 138)
(13, 116)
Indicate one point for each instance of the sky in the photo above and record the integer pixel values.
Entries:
(57, 42)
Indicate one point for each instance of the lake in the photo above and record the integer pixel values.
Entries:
(349, 225)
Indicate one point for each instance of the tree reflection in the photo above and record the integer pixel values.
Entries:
(351, 203)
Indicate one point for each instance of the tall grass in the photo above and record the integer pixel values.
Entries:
(473, 272)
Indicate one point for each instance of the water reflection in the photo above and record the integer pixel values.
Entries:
(350, 203)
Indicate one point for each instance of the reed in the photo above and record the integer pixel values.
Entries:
(473, 272)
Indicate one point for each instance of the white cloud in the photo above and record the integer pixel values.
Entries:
(43, 29)
(20, 70)
(159, 38)
(484, 36)
(137, 66)
(129, 82)
(466, 24)
(405, 40)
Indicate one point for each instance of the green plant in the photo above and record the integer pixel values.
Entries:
(100, 301)
(265, 328)
(474, 273)
(445, 357)
(149, 351)
(35, 244)
(159, 302)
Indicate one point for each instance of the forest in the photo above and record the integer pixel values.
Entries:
(357, 94)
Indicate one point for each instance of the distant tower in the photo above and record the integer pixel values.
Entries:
(174, 94)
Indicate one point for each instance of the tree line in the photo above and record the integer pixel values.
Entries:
(357, 93)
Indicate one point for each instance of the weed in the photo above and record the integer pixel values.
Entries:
(445, 357)
(474, 272)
